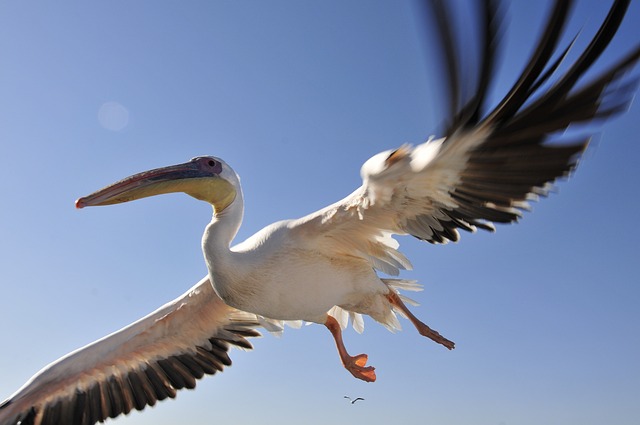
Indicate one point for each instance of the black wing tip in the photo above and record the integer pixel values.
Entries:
(561, 93)
(465, 105)
(466, 109)
(141, 386)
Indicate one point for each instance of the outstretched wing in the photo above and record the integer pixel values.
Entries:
(136, 366)
(490, 164)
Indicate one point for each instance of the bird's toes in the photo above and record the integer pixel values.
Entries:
(368, 374)
(357, 367)
(425, 330)
(360, 360)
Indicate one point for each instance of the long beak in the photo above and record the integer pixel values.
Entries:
(174, 178)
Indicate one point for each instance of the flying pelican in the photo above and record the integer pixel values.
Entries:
(354, 400)
(322, 268)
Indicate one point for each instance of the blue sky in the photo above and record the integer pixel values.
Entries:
(296, 95)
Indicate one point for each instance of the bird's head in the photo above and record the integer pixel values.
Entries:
(206, 178)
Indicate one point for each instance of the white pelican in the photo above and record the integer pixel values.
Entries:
(322, 268)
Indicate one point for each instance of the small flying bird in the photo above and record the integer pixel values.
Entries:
(322, 268)
(354, 400)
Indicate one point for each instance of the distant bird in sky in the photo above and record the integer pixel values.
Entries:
(322, 268)
(354, 400)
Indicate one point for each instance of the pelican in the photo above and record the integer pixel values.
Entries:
(324, 268)
(354, 400)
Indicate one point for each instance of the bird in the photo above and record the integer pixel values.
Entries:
(354, 400)
(328, 267)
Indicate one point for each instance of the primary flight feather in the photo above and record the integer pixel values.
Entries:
(323, 268)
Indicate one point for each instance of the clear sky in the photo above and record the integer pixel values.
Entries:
(296, 95)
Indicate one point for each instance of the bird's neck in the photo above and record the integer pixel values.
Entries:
(216, 247)
(223, 228)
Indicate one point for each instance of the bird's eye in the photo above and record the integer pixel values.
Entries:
(211, 163)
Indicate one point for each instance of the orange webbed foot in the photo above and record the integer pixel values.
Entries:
(356, 365)
(422, 328)
(435, 336)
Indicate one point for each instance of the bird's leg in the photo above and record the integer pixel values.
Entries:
(422, 328)
(356, 364)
